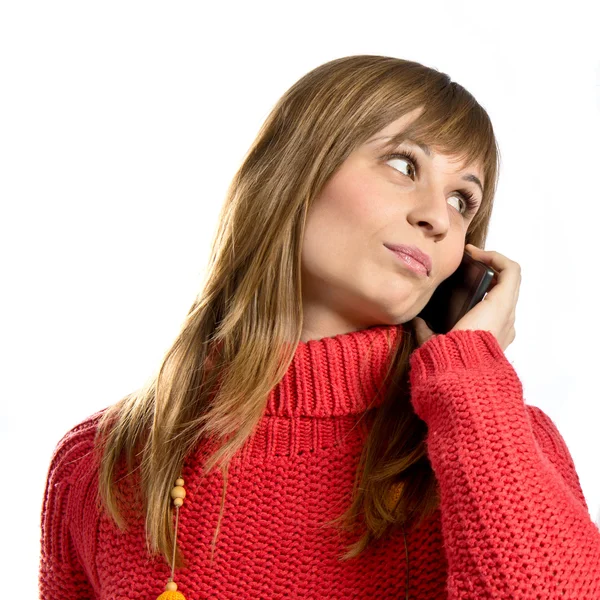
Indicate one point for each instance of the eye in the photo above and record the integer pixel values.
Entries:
(408, 156)
(467, 197)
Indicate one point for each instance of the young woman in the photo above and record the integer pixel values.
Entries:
(319, 441)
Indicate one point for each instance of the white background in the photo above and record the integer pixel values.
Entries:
(121, 125)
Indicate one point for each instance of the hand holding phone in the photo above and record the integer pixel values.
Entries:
(457, 302)
(457, 294)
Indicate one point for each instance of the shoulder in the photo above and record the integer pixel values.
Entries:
(555, 450)
(73, 455)
(68, 526)
(548, 436)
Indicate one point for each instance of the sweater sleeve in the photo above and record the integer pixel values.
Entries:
(61, 573)
(514, 518)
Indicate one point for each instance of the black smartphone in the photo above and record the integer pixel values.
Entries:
(457, 294)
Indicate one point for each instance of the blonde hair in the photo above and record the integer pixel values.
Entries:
(241, 332)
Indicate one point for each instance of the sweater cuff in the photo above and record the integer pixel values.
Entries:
(456, 351)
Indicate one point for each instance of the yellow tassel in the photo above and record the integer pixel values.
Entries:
(171, 596)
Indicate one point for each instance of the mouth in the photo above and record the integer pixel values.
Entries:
(413, 257)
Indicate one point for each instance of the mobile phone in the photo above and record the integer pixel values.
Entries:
(457, 294)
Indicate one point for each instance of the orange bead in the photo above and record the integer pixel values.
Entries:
(171, 592)
(179, 482)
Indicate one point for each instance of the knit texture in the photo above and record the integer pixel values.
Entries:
(513, 521)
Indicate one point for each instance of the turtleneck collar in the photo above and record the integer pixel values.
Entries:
(335, 376)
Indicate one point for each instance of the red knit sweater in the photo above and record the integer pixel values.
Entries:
(513, 521)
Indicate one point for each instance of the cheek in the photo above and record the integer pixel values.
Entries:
(350, 199)
(449, 260)
(340, 224)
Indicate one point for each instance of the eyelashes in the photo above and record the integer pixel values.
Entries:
(467, 195)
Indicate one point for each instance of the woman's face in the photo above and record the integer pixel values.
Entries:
(350, 279)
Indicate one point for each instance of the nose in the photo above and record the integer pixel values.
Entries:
(430, 210)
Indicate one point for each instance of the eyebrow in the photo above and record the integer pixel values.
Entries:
(399, 137)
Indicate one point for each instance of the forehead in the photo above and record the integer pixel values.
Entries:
(393, 135)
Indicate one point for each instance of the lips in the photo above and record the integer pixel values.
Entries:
(413, 252)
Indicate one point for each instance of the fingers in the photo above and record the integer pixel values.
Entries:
(509, 271)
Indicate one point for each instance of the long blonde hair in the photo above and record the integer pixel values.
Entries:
(241, 332)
